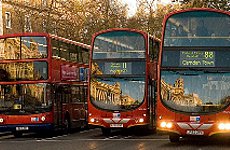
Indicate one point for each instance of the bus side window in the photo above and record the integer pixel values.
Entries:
(85, 56)
(66, 94)
(80, 57)
(82, 94)
(55, 48)
(64, 51)
(73, 54)
(75, 94)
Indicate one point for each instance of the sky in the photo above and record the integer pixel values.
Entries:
(132, 5)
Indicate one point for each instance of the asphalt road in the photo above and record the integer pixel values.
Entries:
(93, 139)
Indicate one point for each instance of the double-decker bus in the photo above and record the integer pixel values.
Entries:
(194, 74)
(43, 83)
(121, 81)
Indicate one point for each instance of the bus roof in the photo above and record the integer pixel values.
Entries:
(126, 29)
(194, 9)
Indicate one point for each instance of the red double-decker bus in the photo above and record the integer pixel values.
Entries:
(121, 81)
(194, 72)
(43, 83)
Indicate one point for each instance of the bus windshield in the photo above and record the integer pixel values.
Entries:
(117, 93)
(197, 28)
(25, 98)
(23, 47)
(195, 91)
(118, 69)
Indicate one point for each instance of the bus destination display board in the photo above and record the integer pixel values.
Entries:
(118, 68)
(197, 58)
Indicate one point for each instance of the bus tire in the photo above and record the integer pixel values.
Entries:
(106, 131)
(174, 138)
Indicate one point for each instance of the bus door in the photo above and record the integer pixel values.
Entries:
(78, 111)
(58, 119)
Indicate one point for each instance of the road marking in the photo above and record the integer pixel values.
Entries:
(6, 137)
(127, 137)
(86, 131)
(107, 139)
(55, 137)
(53, 140)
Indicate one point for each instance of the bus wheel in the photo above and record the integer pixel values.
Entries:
(17, 134)
(174, 138)
(106, 131)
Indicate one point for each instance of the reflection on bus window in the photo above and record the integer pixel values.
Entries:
(24, 71)
(34, 47)
(121, 44)
(23, 47)
(195, 91)
(196, 30)
(117, 94)
(70, 52)
(26, 97)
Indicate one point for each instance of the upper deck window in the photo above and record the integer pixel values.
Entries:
(197, 28)
(69, 51)
(23, 47)
(122, 44)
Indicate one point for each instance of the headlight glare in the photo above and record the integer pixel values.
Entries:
(92, 120)
(141, 120)
(224, 126)
(166, 125)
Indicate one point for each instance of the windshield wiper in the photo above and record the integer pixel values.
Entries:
(210, 70)
(185, 72)
(195, 71)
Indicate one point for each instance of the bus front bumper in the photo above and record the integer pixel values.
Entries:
(26, 127)
(192, 129)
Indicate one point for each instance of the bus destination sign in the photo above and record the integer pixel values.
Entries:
(197, 58)
(118, 68)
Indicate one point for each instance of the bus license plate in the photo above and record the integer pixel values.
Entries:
(22, 128)
(194, 132)
(116, 125)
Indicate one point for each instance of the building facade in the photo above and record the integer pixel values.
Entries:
(50, 16)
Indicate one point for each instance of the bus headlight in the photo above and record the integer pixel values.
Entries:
(43, 118)
(169, 125)
(166, 125)
(163, 124)
(92, 120)
(141, 120)
(224, 126)
(227, 126)
(1, 120)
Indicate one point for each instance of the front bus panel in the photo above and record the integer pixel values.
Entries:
(118, 80)
(194, 75)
